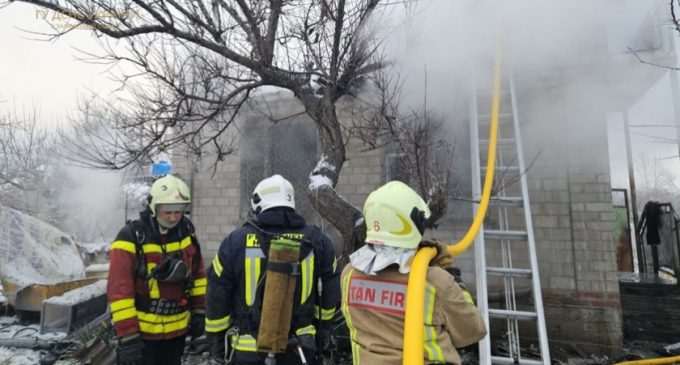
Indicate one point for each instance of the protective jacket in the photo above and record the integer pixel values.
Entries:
(157, 309)
(236, 282)
(373, 306)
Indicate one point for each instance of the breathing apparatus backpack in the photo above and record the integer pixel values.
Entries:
(283, 270)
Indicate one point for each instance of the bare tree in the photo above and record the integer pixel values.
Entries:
(197, 63)
(655, 182)
(25, 151)
(423, 157)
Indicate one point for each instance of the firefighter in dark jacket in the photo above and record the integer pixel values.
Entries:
(238, 277)
(157, 283)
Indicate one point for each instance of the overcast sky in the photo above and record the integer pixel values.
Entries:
(47, 76)
(44, 75)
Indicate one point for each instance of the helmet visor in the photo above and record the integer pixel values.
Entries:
(169, 208)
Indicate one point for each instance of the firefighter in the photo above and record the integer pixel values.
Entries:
(237, 283)
(157, 283)
(374, 286)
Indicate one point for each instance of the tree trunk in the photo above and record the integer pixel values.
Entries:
(346, 218)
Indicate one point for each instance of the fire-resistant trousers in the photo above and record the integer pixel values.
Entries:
(164, 352)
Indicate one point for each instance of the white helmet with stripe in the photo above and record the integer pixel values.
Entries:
(395, 216)
(272, 192)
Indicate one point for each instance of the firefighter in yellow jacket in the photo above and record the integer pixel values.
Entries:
(374, 286)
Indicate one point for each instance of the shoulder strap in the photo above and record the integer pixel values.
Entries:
(140, 236)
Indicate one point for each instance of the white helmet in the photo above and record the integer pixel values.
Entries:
(274, 191)
(395, 216)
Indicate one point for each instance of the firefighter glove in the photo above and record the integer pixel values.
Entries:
(443, 258)
(197, 325)
(130, 350)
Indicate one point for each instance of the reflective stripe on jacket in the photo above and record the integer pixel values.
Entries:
(373, 307)
(236, 279)
(158, 310)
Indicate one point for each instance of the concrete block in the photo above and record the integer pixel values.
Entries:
(586, 178)
(557, 209)
(604, 178)
(578, 207)
(608, 216)
(598, 207)
(599, 226)
(612, 286)
(554, 185)
(358, 179)
(560, 196)
(598, 286)
(597, 188)
(584, 197)
(546, 221)
(562, 283)
(576, 188)
(559, 234)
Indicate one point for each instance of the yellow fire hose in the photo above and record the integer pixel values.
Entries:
(413, 321)
(656, 361)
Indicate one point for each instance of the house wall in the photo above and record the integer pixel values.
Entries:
(566, 136)
(221, 191)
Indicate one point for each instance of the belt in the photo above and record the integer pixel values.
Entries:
(160, 306)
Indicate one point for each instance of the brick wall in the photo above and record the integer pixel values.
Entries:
(215, 197)
(566, 135)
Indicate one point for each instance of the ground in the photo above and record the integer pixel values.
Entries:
(12, 328)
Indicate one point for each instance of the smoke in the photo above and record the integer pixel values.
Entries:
(453, 43)
(573, 62)
(93, 203)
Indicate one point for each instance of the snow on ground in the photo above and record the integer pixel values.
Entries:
(10, 356)
(80, 295)
(10, 327)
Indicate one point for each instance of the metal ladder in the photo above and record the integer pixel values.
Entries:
(505, 202)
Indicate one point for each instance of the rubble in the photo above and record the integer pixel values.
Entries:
(74, 309)
(12, 328)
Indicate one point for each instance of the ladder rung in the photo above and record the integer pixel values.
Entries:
(504, 168)
(500, 141)
(486, 118)
(507, 201)
(506, 271)
(493, 234)
(518, 315)
(510, 361)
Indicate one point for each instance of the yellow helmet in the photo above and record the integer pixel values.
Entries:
(395, 216)
(169, 190)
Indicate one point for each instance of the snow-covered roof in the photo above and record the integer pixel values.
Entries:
(35, 252)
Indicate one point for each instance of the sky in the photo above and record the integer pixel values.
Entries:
(45, 75)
